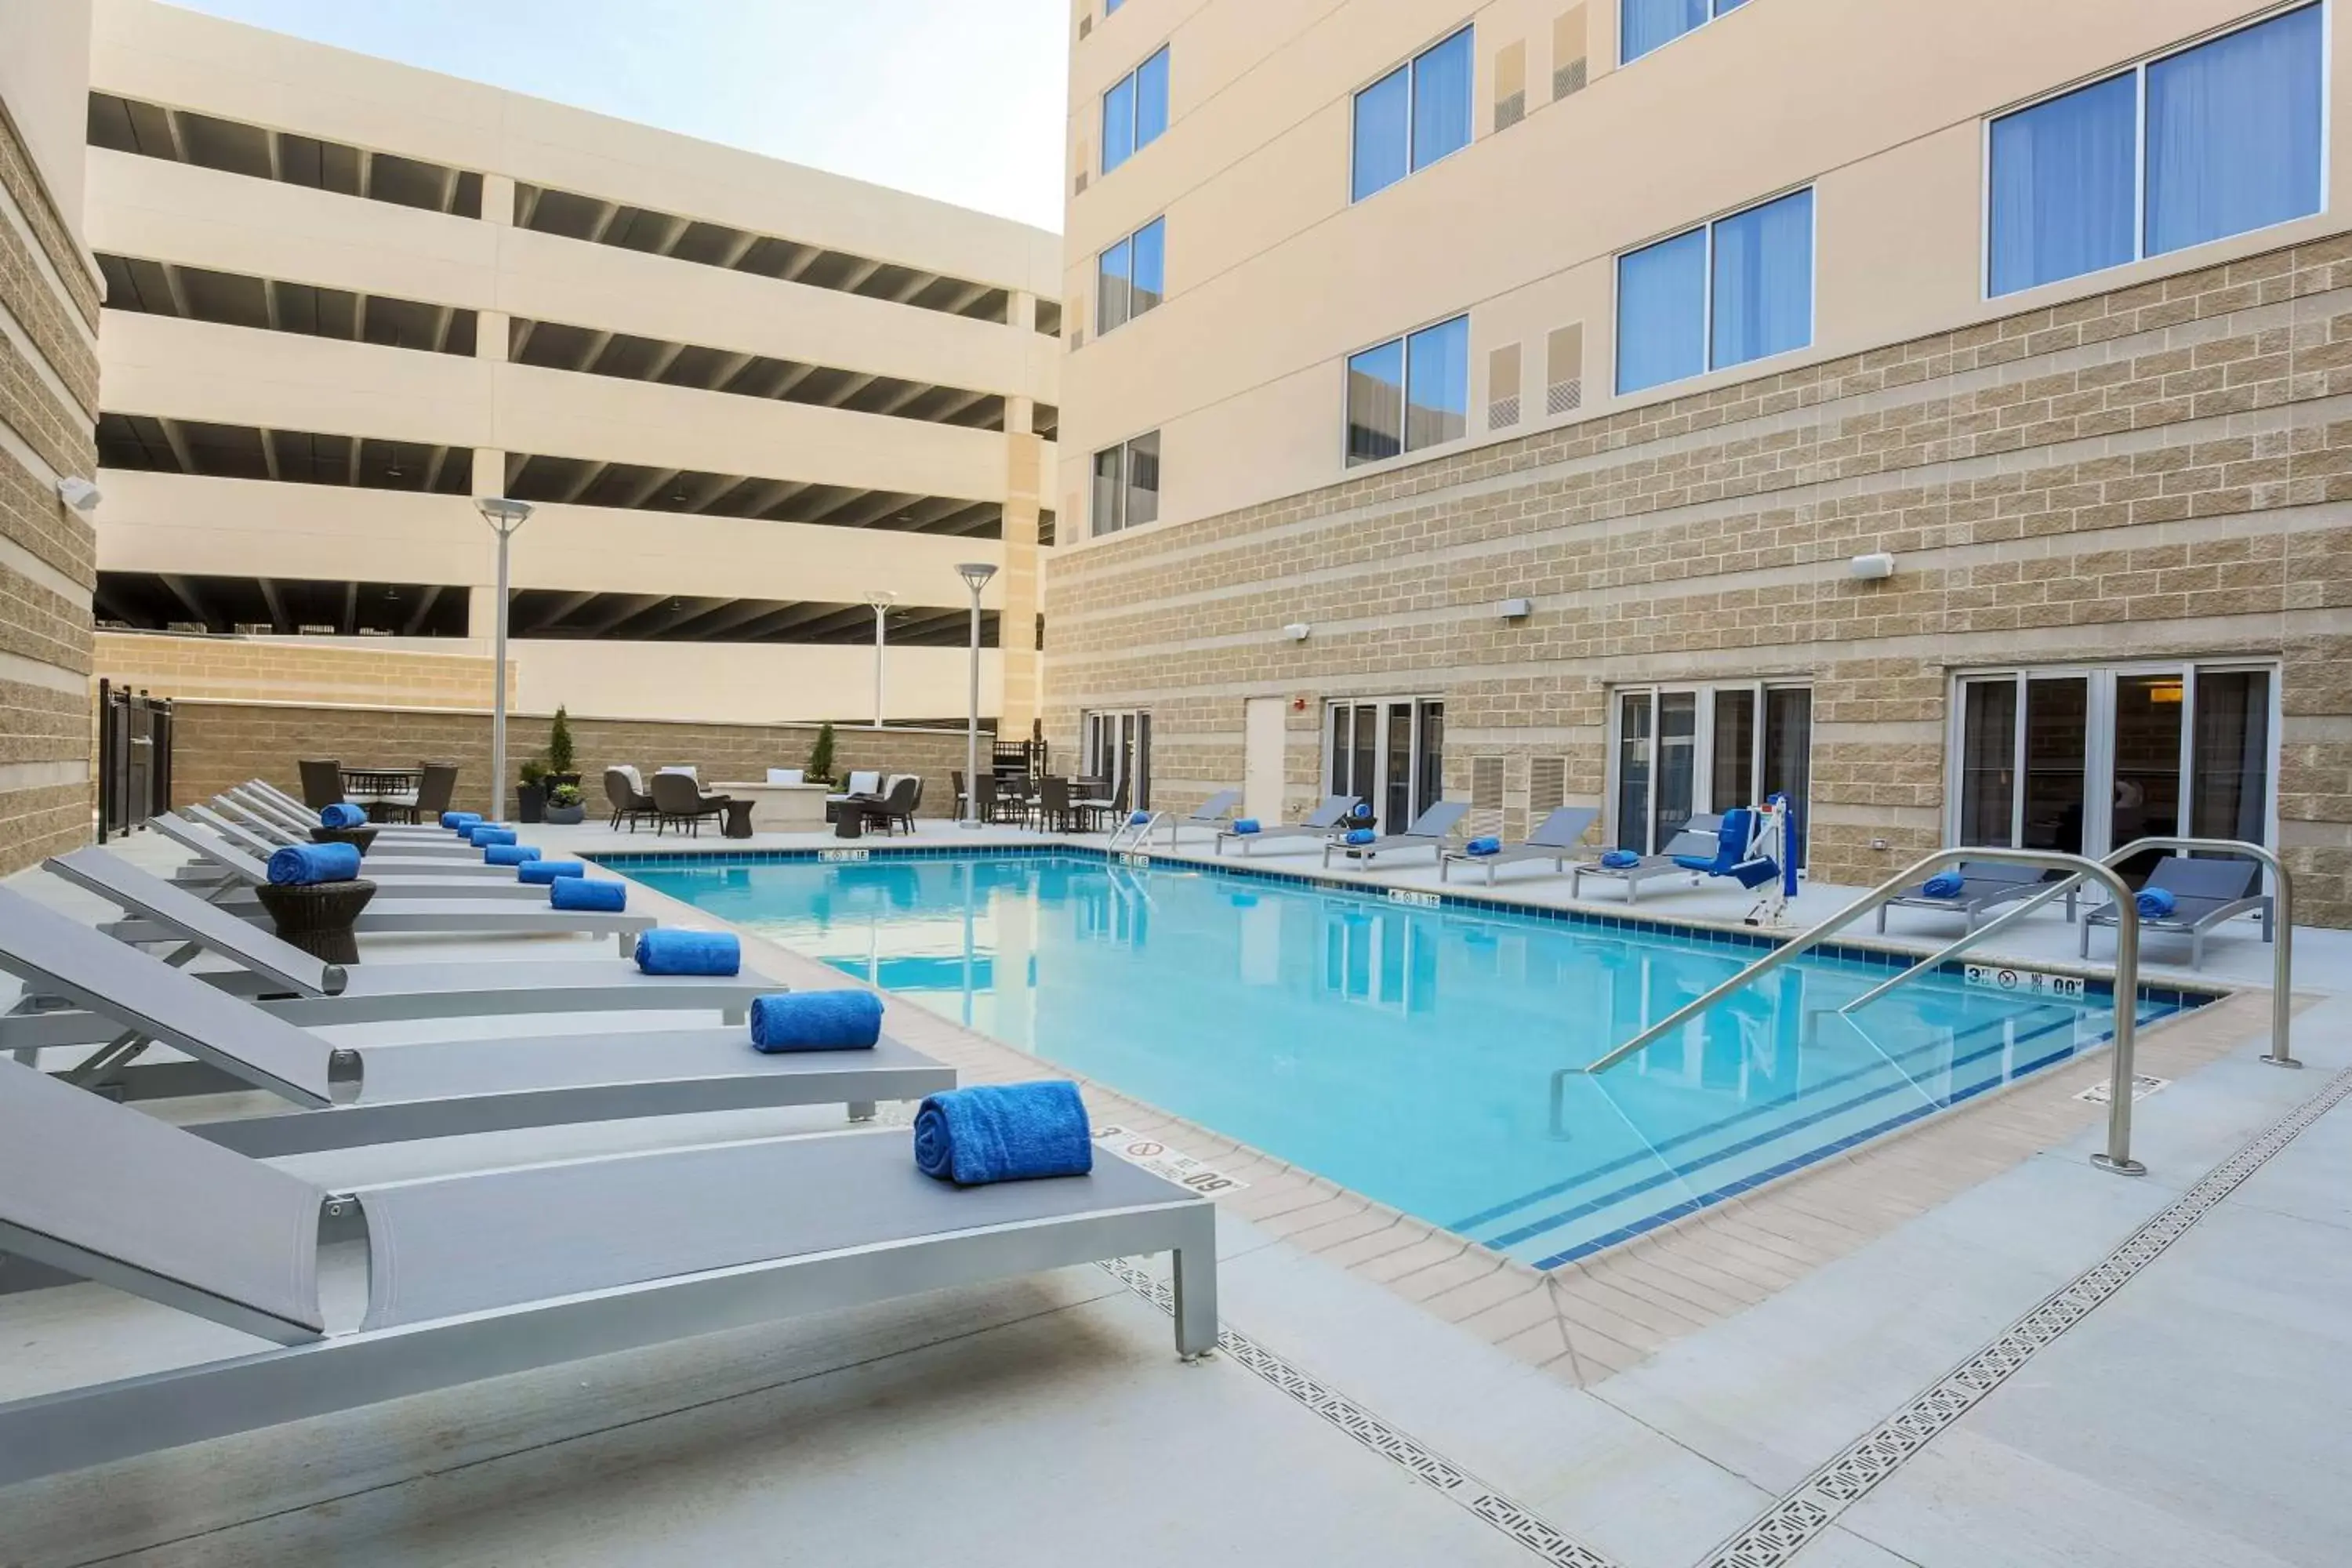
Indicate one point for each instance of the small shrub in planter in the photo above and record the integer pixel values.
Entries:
(530, 793)
(561, 769)
(564, 808)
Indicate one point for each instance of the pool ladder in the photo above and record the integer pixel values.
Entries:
(2117, 1156)
(1133, 834)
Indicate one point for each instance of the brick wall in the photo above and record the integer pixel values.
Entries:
(269, 669)
(216, 744)
(2157, 472)
(48, 403)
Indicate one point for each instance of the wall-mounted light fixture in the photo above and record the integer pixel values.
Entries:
(1516, 609)
(1871, 568)
(1298, 631)
(79, 493)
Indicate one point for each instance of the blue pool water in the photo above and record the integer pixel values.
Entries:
(1409, 1052)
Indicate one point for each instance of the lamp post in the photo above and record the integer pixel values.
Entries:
(504, 517)
(975, 575)
(881, 599)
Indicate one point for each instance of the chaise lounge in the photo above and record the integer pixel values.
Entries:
(1561, 836)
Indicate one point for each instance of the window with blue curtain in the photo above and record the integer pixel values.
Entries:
(1119, 124)
(1662, 312)
(2234, 133)
(1415, 115)
(1376, 404)
(1150, 281)
(1135, 112)
(1763, 282)
(1111, 5)
(1646, 25)
(1437, 384)
(2214, 140)
(1115, 275)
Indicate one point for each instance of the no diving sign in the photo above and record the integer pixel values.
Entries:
(1158, 1159)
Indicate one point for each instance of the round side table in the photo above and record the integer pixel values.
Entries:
(318, 917)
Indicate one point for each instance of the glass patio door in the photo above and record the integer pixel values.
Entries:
(1678, 752)
(1390, 753)
(1119, 750)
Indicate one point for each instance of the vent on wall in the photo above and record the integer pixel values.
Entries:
(1564, 370)
(1085, 26)
(1546, 786)
(1568, 54)
(1485, 796)
(1510, 87)
(1502, 387)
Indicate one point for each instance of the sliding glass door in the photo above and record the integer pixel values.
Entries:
(1117, 751)
(1679, 751)
(1390, 753)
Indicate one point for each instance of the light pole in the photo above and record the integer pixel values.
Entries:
(881, 599)
(975, 575)
(504, 517)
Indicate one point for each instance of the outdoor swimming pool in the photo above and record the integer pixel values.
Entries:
(1409, 1052)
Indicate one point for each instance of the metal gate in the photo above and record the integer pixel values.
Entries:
(134, 758)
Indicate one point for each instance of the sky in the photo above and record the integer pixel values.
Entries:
(959, 100)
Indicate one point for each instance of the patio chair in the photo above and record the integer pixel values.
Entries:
(1985, 886)
(1428, 832)
(1681, 860)
(1213, 813)
(630, 804)
(292, 984)
(1561, 836)
(434, 790)
(1324, 821)
(1055, 813)
(1101, 811)
(984, 804)
(343, 1097)
(2204, 894)
(896, 808)
(501, 1271)
(322, 781)
(678, 802)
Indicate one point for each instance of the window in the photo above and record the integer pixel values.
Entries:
(1652, 23)
(1390, 753)
(1109, 6)
(2217, 139)
(1680, 751)
(1413, 116)
(1409, 394)
(1127, 484)
(1135, 112)
(1737, 289)
(1133, 276)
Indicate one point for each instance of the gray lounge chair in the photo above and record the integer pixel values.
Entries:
(1211, 814)
(292, 812)
(476, 1275)
(1701, 836)
(1427, 832)
(343, 1097)
(1985, 886)
(1561, 836)
(2204, 894)
(1323, 822)
(242, 868)
(266, 819)
(451, 859)
(290, 984)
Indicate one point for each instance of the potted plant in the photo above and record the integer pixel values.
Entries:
(563, 806)
(820, 762)
(530, 793)
(563, 766)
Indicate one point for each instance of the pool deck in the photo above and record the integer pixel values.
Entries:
(1768, 1383)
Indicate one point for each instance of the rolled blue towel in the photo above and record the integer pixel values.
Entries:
(816, 1021)
(1247, 825)
(1484, 847)
(589, 894)
(482, 837)
(1004, 1132)
(539, 873)
(689, 952)
(461, 821)
(1945, 885)
(342, 813)
(300, 865)
(1361, 836)
(509, 854)
(1137, 818)
(2154, 904)
(1620, 860)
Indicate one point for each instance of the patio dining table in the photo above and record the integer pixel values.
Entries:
(390, 791)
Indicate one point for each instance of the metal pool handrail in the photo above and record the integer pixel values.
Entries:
(2280, 1055)
(2116, 1157)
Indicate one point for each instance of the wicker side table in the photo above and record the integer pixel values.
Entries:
(361, 838)
(317, 918)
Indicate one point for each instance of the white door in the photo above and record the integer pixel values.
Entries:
(1261, 738)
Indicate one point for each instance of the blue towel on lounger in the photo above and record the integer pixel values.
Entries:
(509, 854)
(1945, 885)
(689, 952)
(1483, 847)
(539, 873)
(1247, 825)
(1361, 836)
(588, 895)
(1620, 860)
(482, 837)
(2154, 904)
(343, 814)
(302, 864)
(1004, 1132)
(461, 821)
(816, 1021)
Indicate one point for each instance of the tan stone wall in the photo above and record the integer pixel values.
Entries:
(48, 403)
(217, 745)
(275, 670)
(2159, 471)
